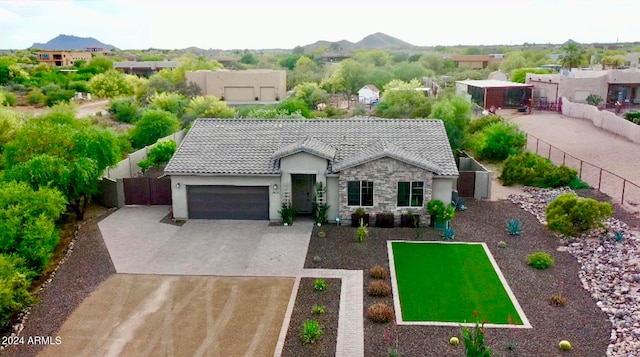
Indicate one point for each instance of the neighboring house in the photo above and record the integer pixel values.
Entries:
(246, 169)
(491, 92)
(477, 61)
(253, 85)
(143, 68)
(610, 85)
(63, 58)
(368, 93)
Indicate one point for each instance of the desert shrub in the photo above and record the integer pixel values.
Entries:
(632, 115)
(533, 170)
(311, 332)
(475, 342)
(35, 97)
(293, 105)
(572, 215)
(79, 86)
(379, 272)
(171, 102)
(124, 109)
(153, 125)
(477, 125)
(7, 98)
(320, 285)
(380, 312)
(502, 244)
(361, 233)
(14, 290)
(379, 288)
(160, 154)
(540, 260)
(557, 300)
(594, 99)
(318, 310)
(499, 140)
(58, 96)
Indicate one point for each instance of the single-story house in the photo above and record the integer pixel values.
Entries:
(368, 94)
(143, 68)
(477, 61)
(576, 85)
(246, 169)
(490, 92)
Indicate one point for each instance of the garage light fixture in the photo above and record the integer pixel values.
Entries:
(275, 186)
(178, 185)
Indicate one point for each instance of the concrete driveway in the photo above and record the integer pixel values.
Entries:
(139, 244)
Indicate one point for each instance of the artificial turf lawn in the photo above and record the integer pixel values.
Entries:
(450, 283)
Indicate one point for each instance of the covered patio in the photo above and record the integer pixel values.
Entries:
(499, 94)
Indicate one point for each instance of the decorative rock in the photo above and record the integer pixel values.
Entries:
(610, 270)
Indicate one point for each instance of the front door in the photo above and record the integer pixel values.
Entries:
(302, 193)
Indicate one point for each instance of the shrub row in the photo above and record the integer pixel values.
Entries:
(533, 170)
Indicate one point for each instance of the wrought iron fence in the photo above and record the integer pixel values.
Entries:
(601, 179)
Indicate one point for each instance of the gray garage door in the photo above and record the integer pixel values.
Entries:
(228, 202)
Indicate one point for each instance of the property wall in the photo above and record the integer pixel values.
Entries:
(602, 119)
(385, 174)
(129, 166)
(179, 195)
(575, 88)
(241, 86)
(482, 187)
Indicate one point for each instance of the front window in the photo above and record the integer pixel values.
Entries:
(360, 193)
(410, 194)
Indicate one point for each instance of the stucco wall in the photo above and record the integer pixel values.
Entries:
(442, 188)
(248, 83)
(602, 119)
(179, 195)
(301, 163)
(385, 174)
(333, 198)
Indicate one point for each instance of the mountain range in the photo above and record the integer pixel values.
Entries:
(377, 40)
(70, 42)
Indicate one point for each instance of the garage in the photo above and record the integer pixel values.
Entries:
(228, 202)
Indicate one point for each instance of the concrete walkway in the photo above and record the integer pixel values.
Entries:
(139, 244)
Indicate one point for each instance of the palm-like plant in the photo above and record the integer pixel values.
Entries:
(574, 55)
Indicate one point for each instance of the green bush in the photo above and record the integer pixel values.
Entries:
(79, 86)
(311, 332)
(58, 96)
(540, 260)
(14, 290)
(320, 285)
(160, 154)
(533, 170)
(35, 97)
(572, 215)
(124, 109)
(499, 140)
(474, 341)
(292, 106)
(7, 98)
(477, 125)
(632, 115)
(153, 125)
(594, 99)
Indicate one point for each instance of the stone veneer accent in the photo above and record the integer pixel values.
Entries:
(385, 173)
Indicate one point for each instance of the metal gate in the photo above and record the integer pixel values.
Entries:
(466, 183)
(147, 191)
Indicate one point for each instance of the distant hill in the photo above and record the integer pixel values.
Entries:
(376, 41)
(70, 42)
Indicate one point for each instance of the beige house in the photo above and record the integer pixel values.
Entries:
(63, 58)
(610, 85)
(254, 85)
(477, 61)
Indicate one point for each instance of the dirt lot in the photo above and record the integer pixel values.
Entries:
(143, 315)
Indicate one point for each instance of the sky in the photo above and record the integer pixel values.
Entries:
(269, 24)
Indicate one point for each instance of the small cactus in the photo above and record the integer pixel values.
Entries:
(619, 236)
(454, 341)
(565, 345)
(502, 244)
(513, 227)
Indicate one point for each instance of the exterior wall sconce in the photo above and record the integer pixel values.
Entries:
(275, 187)
(178, 185)
(337, 221)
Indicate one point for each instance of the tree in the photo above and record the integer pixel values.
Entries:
(295, 106)
(519, 75)
(14, 292)
(57, 150)
(171, 102)
(27, 222)
(248, 58)
(306, 70)
(153, 125)
(409, 71)
(347, 79)
(499, 140)
(10, 123)
(573, 57)
(455, 112)
(401, 100)
(207, 107)
(111, 84)
(160, 154)
(311, 93)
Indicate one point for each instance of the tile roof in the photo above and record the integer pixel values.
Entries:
(249, 146)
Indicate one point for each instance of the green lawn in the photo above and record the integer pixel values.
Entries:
(440, 282)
